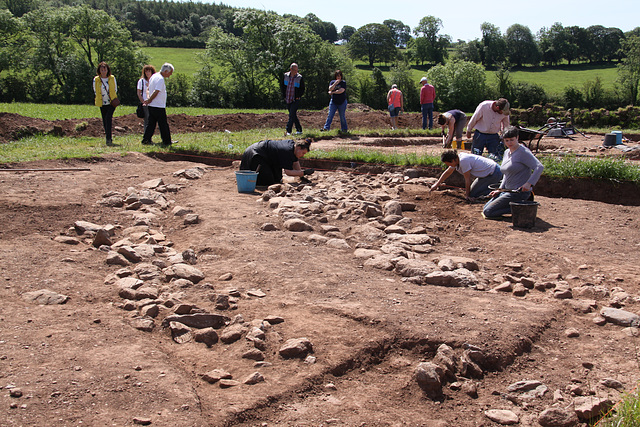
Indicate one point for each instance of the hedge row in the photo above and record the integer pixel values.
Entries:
(624, 118)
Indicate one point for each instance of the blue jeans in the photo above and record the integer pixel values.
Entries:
(499, 205)
(342, 109)
(427, 113)
(489, 140)
(293, 116)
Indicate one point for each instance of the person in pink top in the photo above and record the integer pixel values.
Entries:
(427, 96)
(394, 101)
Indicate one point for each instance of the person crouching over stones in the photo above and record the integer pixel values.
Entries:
(483, 171)
(454, 121)
(521, 172)
(270, 157)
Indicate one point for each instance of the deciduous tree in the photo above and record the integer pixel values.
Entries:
(373, 42)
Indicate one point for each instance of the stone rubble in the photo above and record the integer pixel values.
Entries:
(151, 273)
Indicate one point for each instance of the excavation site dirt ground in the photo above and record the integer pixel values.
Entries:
(126, 343)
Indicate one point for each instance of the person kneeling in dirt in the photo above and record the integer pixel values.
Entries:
(483, 171)
(521, 172)
(270, 157)
(454, 121)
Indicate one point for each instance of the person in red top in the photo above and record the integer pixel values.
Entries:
(427, 96)
(394, 101)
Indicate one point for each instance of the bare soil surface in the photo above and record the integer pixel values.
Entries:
(83, 362)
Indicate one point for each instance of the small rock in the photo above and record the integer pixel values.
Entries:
(572, 333)
(296, 347)
(225, 277)
(216, 375)
(143, 421)
(502, 416)
(254, 378)
(15, 392)
(557, 417)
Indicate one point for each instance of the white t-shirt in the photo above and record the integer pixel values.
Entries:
(143, 85)
(104, 89)
(156, 82)
(478, 166)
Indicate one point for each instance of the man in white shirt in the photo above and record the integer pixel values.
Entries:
(489, 119)
(157, 103)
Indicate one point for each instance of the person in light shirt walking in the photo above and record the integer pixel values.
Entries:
(157, 103)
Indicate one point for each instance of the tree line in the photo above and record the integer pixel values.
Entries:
(49, 51)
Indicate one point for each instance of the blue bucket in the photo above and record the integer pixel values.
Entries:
(246, 181)
(618, 134)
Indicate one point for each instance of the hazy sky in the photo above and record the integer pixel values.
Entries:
(461, 19)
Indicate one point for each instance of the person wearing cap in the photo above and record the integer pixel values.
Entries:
(427, 96)
(488, 120)
(270, 157)
(394, 102)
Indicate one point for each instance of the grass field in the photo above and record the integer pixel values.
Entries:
(553, 80)
(185, 61)
(63, 112)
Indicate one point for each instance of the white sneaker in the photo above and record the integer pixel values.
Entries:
(287, 134)
(298, 133)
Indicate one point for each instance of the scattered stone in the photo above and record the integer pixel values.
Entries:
(502, 416)
(207, 336)
(233, 333)
(67, 240)
(114, 258)
(588, 407)
(101, 238)
(216, 375)
(225, 277)
(198, 320)
(45, 297)
(145, 325)
(190, 219)
(256, 293)
(129, 253)
(253, 378)
(612, 383)
(297, 225)
(193, 173)
(620, 317)
(180, 332)
(558, 417)
(572, 333)
(15, 392)
(184, 271)
(296, 347)
(228, 383)
(504, 287)
(85, 226)
(274, 320)
(429, 377)
(253, 354)
(268, 226)
(143, 421)
(151, 310)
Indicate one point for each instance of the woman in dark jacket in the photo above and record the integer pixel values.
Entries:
(270, 157)
(337, 90)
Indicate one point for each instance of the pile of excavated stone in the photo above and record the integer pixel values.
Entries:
(359, 214)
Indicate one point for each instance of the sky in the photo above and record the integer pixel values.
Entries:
(461, 19)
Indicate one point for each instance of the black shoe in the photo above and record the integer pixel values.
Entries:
(144, 142)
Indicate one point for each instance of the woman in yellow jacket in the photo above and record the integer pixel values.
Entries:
(105, 88)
